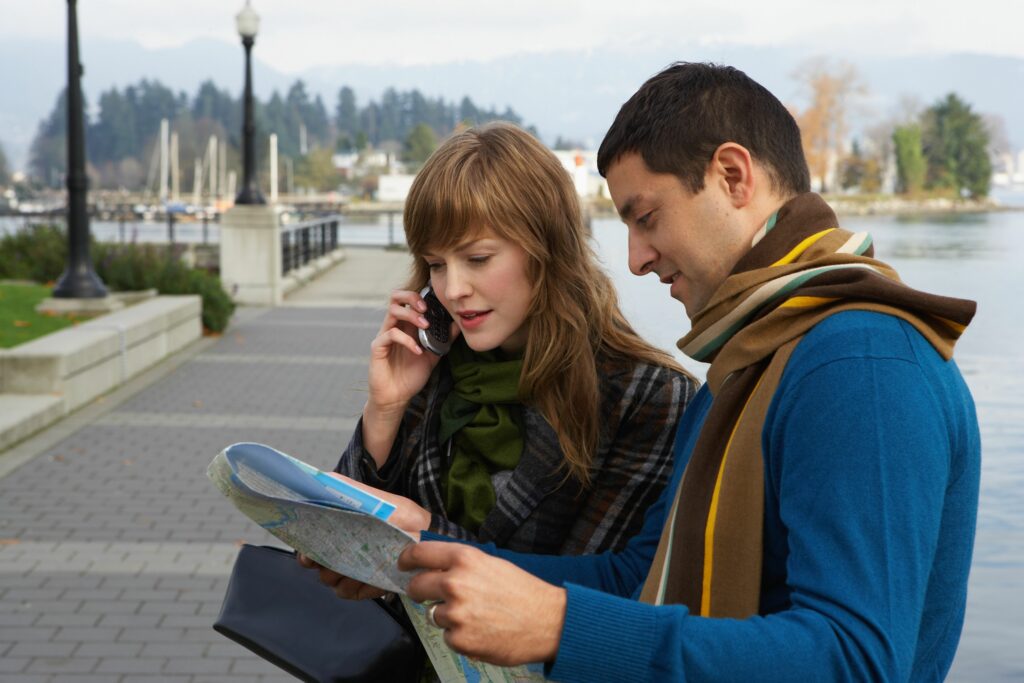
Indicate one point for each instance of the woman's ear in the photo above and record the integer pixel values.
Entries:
(732, 169)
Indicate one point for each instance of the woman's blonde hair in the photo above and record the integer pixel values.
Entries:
(500, 177)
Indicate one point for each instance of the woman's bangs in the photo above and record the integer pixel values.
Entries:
(446, 213)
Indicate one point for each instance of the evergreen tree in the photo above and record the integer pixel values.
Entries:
(5, 172)
(369, 123)
(420, 143)
(910, 163)
(955, 143)
(318, 123)
(123, 137)
(468, 112)
(302, 112)
(390, 117)
(344, 144)
(213, 104)
(49, 150)
(275, 118)
(152, 102)
(114, 136)
(346, 114)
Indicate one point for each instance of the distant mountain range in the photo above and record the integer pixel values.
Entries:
(573, 94)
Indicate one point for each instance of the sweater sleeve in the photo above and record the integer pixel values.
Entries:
(857, 464)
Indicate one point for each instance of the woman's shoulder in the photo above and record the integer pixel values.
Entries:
(620, 375)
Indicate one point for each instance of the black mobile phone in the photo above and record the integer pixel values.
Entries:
(437, 337)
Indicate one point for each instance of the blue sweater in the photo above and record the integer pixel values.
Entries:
(872, 463)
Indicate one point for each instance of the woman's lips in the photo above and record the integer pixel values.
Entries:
(470, 320)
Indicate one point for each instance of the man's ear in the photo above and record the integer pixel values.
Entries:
(732, 168)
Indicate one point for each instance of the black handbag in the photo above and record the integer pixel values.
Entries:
(281, 611)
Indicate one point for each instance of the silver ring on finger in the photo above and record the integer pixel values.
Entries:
(430, 616)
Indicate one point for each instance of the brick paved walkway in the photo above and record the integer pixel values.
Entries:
(114, 546)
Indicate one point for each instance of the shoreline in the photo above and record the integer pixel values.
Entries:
(855, 206)
(899, 206)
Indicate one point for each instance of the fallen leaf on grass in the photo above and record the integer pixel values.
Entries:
(22, 323)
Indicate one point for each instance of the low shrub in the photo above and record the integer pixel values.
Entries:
(39, 253)
(36, 253)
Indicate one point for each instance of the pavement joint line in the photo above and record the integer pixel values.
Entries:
(267, 358)
(221, 420)
(352, 324)
(133, 558)
(16, 456)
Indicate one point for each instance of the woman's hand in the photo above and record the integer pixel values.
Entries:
(343, 586)
(491, 610)
(408, 516)
(399, 368)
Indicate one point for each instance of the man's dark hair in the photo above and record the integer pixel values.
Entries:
(679, 117)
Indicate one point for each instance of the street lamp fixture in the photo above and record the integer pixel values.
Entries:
(79, 280)
(248, 23)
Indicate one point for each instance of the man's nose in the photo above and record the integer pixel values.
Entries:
(641, 255)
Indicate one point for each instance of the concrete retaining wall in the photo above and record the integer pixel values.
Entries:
(75, 365)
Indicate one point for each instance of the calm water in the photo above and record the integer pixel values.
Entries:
(973, 256)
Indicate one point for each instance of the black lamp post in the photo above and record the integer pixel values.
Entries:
(79, 280)
(248, 23)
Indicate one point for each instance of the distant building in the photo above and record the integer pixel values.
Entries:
(394, 187)
(346, 163)
(1008, 170)
(582, 167)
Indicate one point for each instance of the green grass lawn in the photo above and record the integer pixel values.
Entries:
(19, 321)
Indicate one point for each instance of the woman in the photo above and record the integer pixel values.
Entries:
(549, 426)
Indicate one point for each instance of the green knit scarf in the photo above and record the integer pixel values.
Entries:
(482, 415)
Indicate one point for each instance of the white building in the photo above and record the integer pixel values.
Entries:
(582, 166)
(394, 187)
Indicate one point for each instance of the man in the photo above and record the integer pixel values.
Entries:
(824, 526)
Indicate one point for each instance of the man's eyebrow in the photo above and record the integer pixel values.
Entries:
(627, 207)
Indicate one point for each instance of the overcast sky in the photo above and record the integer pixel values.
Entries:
(297, 34)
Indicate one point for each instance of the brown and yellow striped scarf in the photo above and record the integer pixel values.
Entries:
(801, 269)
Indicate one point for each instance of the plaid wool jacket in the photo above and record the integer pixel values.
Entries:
(539, 509)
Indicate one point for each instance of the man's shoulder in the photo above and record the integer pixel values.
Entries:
(866, 335)
(865, 348)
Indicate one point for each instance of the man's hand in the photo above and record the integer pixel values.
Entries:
(492, 610)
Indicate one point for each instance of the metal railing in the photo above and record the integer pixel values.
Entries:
(306, 241)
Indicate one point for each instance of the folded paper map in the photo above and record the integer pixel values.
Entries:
(344, 528)
(335, 524)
